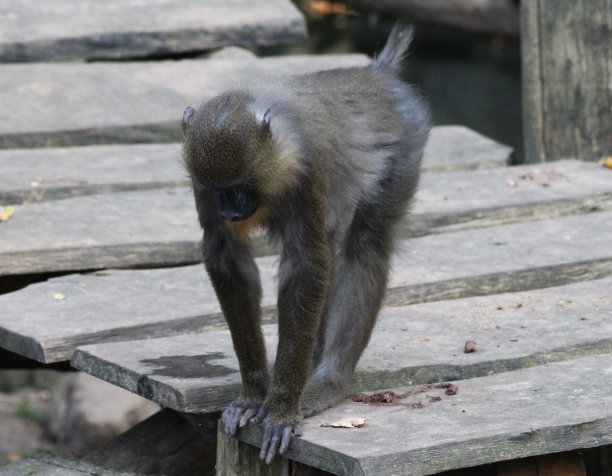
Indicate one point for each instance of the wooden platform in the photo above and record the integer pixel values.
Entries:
(517, 259)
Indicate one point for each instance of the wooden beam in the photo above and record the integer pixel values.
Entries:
(496, 17)
(165, 443)
(567, 90)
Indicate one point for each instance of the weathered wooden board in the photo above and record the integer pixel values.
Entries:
(460, 148)
(411, 344)
(62, 29)
(48, 465)
(546, 409)
(35, 175)
(78, 104)
(116, 305)
(159, 227)
(567, 57)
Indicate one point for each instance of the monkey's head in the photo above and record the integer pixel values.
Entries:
(227, 151)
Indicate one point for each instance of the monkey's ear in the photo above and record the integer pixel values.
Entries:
(265, 122)
(187, 116)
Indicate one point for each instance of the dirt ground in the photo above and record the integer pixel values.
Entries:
(22, 416)
(25, 405)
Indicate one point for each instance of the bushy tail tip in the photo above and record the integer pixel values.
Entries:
(396, 48)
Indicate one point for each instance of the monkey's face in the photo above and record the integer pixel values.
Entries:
(224, 145)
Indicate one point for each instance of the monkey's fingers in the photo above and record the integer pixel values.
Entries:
(261, 414)
(276, 439)
(296, 430)
(228, 420)
(247, 415)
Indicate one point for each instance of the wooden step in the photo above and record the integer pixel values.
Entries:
(546, 409)
(35, 31)
(116, 304)
(410, 345)
(159, 227)
(36, 175)
(79, 104)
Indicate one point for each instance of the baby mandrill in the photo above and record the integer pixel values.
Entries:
(326, 163)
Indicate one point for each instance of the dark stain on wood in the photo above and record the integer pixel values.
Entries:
(189, 366)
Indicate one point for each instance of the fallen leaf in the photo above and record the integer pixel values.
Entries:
(6, 213)
(346, 423)
(59, 296)
(511, 183)
(606, 162)
(12, 457)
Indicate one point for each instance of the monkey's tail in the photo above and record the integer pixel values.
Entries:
(396, 48)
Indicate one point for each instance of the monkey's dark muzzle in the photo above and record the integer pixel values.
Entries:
(235, 202)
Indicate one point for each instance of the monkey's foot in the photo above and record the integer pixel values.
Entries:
(318, 396)
(277, 434)
(238, 414)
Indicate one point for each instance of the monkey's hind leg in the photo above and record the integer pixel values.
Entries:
(359, 288)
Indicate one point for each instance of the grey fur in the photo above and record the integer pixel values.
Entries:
(335, 158)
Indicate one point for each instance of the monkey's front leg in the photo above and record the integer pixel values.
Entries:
(235, 278)
(303, 281)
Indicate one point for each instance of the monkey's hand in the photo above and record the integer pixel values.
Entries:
(238, 414)
(277, 433)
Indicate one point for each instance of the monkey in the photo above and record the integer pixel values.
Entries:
(326, 164)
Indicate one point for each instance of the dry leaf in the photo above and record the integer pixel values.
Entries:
(606, 162)
(511, 183)
(6, 213)
(346, 423)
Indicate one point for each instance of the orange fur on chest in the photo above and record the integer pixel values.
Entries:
(243, 228)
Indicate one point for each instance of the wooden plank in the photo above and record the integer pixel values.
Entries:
(159, 227)
(546, 409)
(460, 148)
(61, 30)
(53, 465)
(36, 175)
(411, 344)
(116, 305)
(567, 57)
(78, 104)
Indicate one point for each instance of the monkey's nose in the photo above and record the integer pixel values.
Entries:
(231, 215)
